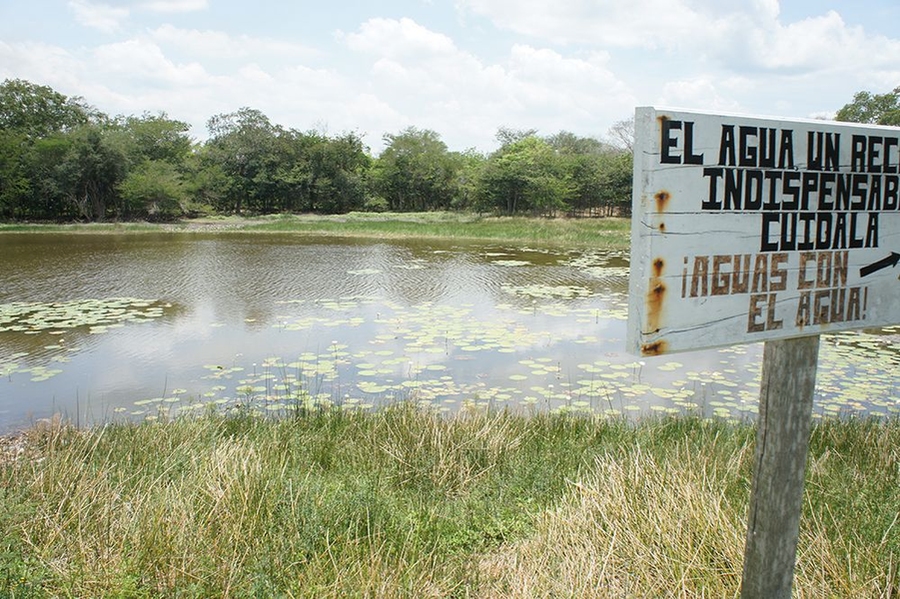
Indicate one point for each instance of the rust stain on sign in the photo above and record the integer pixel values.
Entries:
(657, 348)
(662, 200)
(656, 296)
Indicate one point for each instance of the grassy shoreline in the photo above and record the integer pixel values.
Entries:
(612, 233)
(404, 503)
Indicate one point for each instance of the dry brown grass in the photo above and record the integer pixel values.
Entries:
(404, 503)
(639, 527)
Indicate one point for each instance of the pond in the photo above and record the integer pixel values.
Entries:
(106, 326)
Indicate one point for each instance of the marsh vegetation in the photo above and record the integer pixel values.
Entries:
(408, 503)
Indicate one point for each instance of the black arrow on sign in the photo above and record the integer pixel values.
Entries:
(888, 262)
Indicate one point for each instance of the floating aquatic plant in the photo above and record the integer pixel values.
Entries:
(548, 351)
(548, 291)
(511, 263)
(94, 316)
(96, 313)
(415, 352)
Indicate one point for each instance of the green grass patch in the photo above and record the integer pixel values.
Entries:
(405, 503)
(595, 232)
(601, 233)
(119, 227)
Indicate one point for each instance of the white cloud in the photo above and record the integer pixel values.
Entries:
(144, 63)
(220, 45)
(618, 23)
(823, 42)
(573, 87)
(175, 6)
(701, 91)
(395, 38)
(102, 17)
(139, 74)
(431, 83)
(731, 33)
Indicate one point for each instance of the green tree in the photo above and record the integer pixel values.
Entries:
(38, 111)
(586, 173)
(470, 165)
(284, 178)
(153, 189)
(415, 171)
(249, 163)
(508, 136)
(155, 150)
(582, 161)
(153, 137)
(36, 123)
(49, 198)
(15, 184)
(525, 175)
(240, 143)
(600, 174)
(90, 172)
(602, 184)
(615, 183)
(876, 109)
(207, 184)
(338, 169)
(569, 144)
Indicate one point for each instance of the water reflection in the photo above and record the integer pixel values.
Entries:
(281, 320)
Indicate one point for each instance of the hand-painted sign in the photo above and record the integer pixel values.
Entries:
(747, 229)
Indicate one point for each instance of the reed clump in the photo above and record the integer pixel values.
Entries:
(403, 502)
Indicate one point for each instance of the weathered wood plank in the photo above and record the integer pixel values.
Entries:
(782, 444)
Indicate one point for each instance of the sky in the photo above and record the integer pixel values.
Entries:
(461, 68)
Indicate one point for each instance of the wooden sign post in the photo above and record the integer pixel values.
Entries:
(748, 229)
(782, 442)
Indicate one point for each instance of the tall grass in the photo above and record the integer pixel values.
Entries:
(405, 503)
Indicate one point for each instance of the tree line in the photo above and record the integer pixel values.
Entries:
(61, 159)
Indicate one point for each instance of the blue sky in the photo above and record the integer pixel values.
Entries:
(461, 68)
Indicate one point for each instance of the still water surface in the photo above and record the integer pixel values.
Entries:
(101, 327)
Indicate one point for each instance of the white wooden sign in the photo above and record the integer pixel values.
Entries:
(747, 229)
